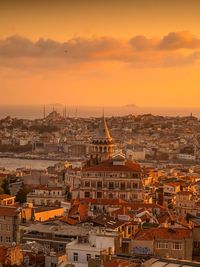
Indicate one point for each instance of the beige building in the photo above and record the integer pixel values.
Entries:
(164, 242)
(114, 178)
(109, 176)
(46, 195)
(186, 203)
(9, 225)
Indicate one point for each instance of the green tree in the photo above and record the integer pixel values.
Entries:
(21, 196)
(5, 186)
(1, 190)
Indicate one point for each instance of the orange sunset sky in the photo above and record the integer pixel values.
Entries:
(145, 52)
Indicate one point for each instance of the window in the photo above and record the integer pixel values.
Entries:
(53, 264)
(75, 256)
(162, 245)
(97, 257)
(99, 194)
(88, 256)
(1, 238)
(93, 184)
(134, 185)
(60, 247)
(8, 227)
(129, 230)
(87, 184)
(123, 196)
(110, 195)
(87, 194)
(177, 246)
(135, 196)
(8, 239)
(128, 185)
(196, 244)
(123, 186)
(99, 184)
(111, 185)
(116, 185)
(135, 175)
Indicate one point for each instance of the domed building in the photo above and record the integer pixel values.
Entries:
(108, 175)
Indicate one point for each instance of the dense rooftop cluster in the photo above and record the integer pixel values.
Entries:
(126, 192)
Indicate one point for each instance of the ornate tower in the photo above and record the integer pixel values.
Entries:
(102, 143)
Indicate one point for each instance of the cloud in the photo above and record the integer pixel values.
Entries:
(178, 40)
(140, 42)
(138, 51)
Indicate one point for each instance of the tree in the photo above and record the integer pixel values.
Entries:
(1, 190)
(5, 186)
(22, 194)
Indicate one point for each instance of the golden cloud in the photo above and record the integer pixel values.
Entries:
(138, 51)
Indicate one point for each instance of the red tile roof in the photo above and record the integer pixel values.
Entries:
(119, 202)
(104, 201)
(9, 211)
(68, 220)
(136, 206)
(163, 233)
(80, 210)
(108, 166)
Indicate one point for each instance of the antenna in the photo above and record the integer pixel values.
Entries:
(44, 112)
(65, 112)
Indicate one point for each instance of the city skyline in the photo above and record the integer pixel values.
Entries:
(100, 53)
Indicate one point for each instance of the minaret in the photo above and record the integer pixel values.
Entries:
(76, 113)
(44, 112)
(65, 112)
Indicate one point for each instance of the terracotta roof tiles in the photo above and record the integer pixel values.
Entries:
(107, 166)
(9, 211)
(163, 233)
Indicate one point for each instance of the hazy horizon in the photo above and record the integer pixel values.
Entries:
(36, 111)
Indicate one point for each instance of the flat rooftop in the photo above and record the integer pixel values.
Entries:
(65, 230)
